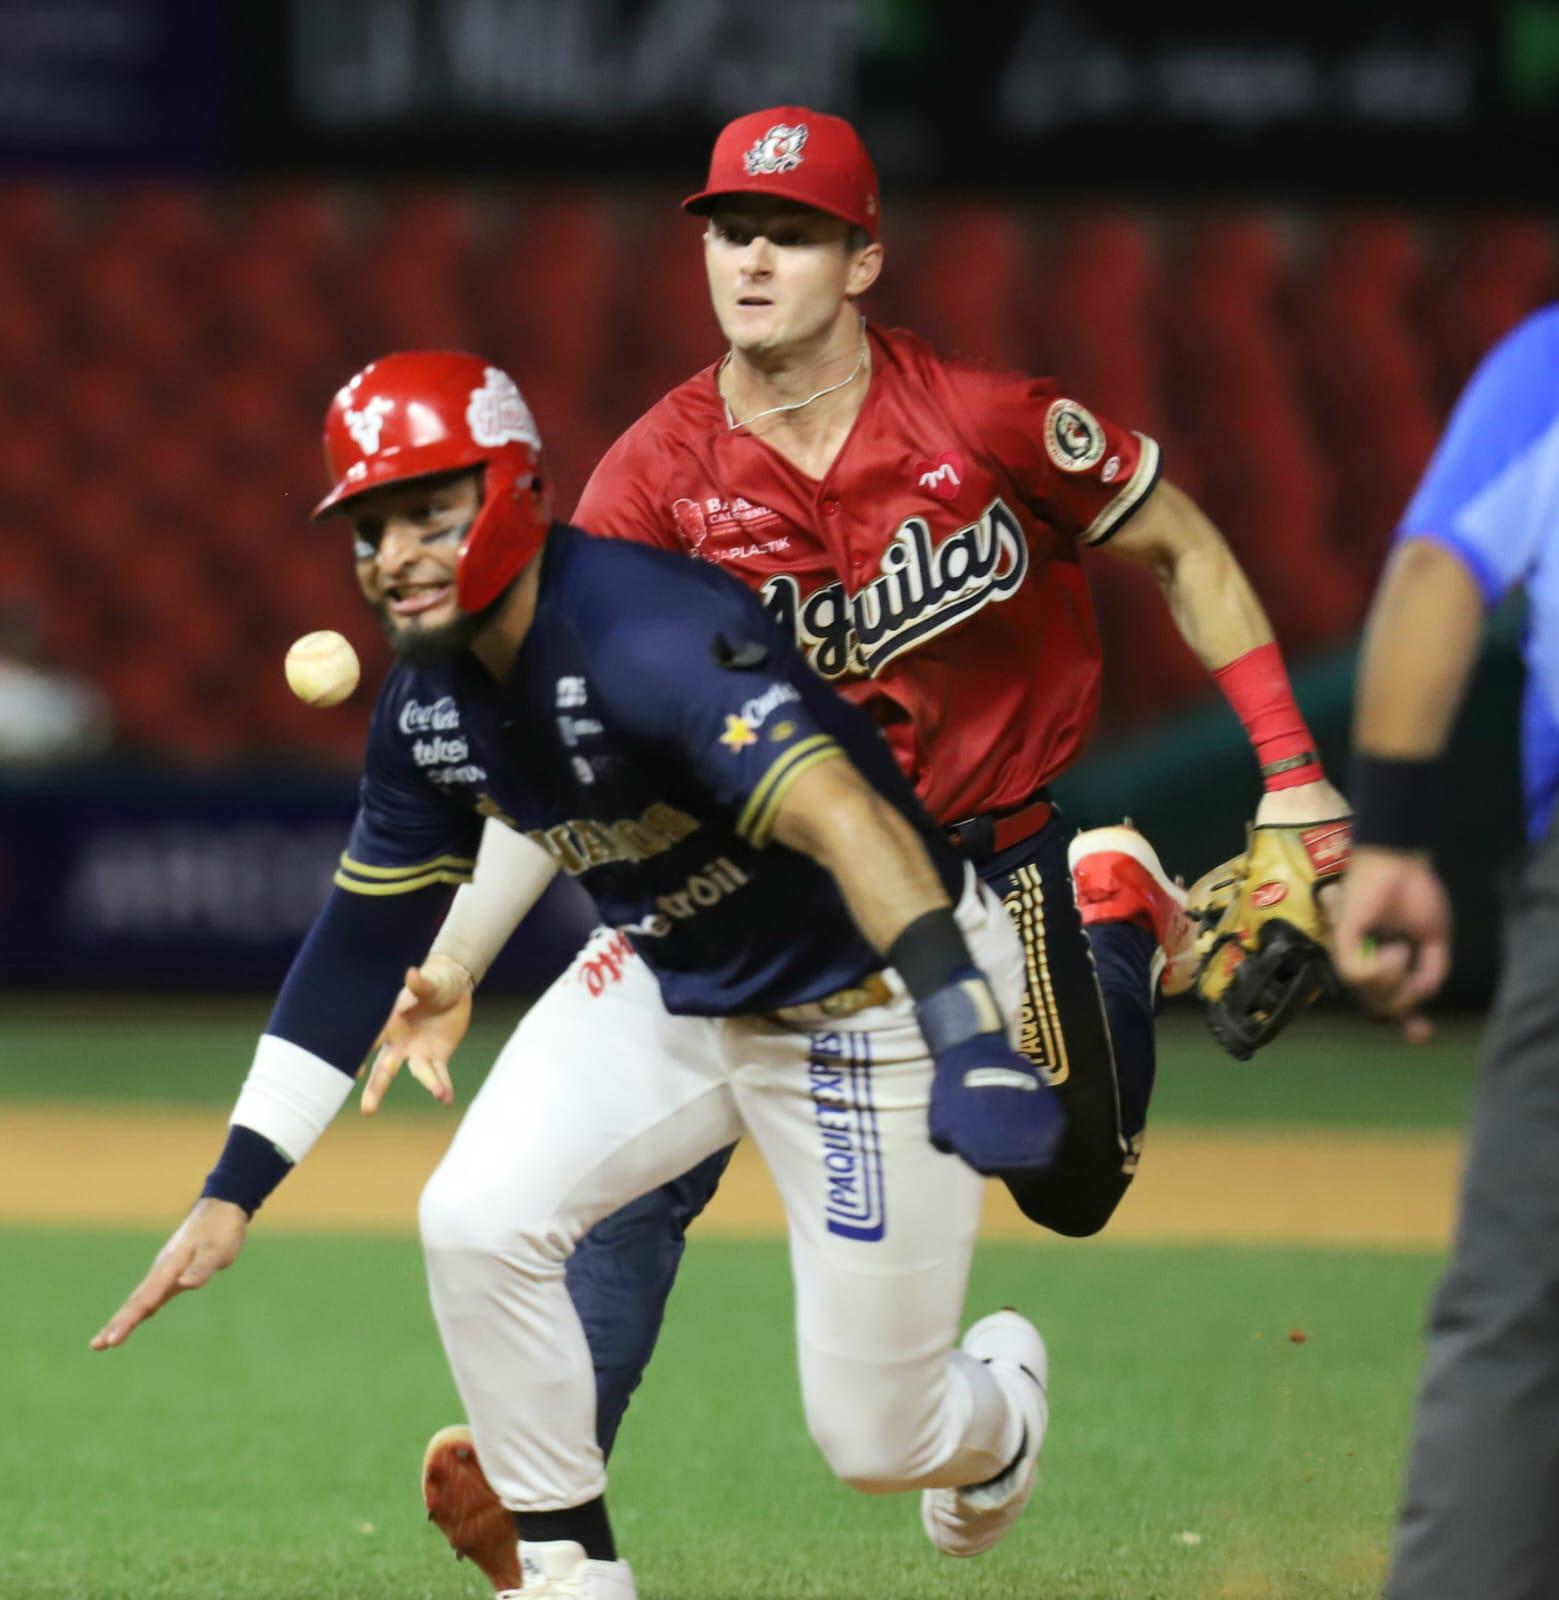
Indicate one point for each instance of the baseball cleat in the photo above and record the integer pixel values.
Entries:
(461, 1501)
(969, 1521)
(556, 1569)
(1117, 877)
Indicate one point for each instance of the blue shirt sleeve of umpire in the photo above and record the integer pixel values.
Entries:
(1494, 478)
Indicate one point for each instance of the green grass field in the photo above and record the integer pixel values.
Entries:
(261, 1441)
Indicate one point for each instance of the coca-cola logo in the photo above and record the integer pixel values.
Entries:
(923, 590)
(439, 717)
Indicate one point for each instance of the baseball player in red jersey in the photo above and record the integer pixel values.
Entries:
(919, 523)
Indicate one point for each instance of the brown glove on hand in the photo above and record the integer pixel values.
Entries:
(1264, 939)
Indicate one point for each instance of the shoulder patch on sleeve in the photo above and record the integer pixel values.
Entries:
(1074, 441)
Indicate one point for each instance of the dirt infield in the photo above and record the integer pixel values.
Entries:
(88, 1165)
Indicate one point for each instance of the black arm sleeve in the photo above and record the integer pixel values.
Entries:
(348, 971)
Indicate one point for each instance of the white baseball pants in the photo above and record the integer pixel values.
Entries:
(602, 1095)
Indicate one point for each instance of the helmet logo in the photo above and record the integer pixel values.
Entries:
(779, 150)
(498, 414)
(366, 425)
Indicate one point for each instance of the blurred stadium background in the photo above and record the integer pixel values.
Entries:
(1278, 246)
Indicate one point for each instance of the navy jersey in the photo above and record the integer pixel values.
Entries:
(654, 721)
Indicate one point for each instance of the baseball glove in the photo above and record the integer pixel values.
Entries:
(1263, 935)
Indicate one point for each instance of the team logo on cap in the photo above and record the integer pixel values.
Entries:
(498, 414)
(779, 150)
(1073, 439)
(366, 424)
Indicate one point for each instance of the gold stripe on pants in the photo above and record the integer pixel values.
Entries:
(1041, 1039)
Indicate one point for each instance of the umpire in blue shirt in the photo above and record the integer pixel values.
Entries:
(1479, 1516)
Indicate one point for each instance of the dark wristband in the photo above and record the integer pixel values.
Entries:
(930, 953)
(249, 1167)
(1393, 801)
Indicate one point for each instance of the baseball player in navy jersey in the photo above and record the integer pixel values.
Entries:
(790, 949)
(918, 525)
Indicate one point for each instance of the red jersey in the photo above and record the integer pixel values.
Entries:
(932, 575)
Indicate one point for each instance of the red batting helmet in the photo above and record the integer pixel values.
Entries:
(430, 411)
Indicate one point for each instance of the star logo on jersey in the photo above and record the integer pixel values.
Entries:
(738, 734)
(943, 477)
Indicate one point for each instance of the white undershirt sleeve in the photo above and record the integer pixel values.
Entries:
(289, 1096)
(511, 873)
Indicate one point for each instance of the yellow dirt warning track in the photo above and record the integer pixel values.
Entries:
(85, 1165)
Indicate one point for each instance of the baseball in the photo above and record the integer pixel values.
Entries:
(322, 668)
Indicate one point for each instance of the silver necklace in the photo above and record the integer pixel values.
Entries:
(795, 405)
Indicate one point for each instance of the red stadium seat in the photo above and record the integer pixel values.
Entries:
(1371, 378)
(412, 286)
(1093, 313)
(682, 337)
(1497, 271)
(971, 271)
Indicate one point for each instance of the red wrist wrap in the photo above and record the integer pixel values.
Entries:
(1256, 685)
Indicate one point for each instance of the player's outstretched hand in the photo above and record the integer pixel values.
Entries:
(207, 1240)
(1392, 927)
(988, 1104)
(426, 1024)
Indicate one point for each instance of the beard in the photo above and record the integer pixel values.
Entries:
(436, 647)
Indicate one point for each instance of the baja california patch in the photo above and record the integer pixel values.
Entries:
(779, 150)
(497, 413)
(1073, 439)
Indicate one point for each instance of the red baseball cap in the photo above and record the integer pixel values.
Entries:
(796, 154)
